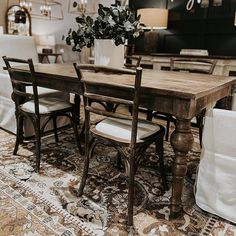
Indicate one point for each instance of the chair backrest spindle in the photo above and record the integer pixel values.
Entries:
(194, 65)
(132, 62)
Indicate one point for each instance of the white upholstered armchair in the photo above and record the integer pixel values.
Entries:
(22, 47)
(216, 181)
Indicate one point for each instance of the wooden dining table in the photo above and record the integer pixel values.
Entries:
(183, 95)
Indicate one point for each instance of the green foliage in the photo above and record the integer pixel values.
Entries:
(115, 22)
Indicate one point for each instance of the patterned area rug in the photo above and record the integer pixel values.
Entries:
(24, 212)
(47, 203)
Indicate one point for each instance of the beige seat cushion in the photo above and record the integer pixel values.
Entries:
(121, 129)
(46, 105)
(46, 92)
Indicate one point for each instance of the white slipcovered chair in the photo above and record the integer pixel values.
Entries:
(22, 47)
(216, 180)
(234, 99)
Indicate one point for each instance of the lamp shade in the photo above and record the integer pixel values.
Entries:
(154, 18)
(45, 40)
(235, 18)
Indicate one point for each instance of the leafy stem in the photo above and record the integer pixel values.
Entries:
(116, 22)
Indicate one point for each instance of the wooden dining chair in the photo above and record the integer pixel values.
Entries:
(192, 65)
(132, 62)
(216, 180)
(129, 135)
(31, 106)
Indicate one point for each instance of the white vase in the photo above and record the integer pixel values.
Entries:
(107, 53)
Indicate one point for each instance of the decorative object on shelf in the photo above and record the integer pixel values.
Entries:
(20, 16)
(217, 3)
(194, 52)
(204, 3)
(41, 9)
(116, 23)
(122, 2)
(78, 6)
(190, 4)
(81, 7)
(18, 21)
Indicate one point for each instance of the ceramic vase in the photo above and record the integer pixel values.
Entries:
(107, 53)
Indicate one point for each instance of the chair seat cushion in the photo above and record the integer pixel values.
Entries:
(121, 129)
(46, 92)
(46, 105)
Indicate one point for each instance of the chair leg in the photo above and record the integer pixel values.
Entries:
(200, 125)
(200, 136)
(131, 193)
(37, 144)
(85, 173)
(200, 128)
(168, 117)
(149, 115)
(19, 133)
(77, 101)
(130, 109)
(110, 107)
(160, 153)
(54, 118)
(118, 161)
(82, 133)
(77, 138)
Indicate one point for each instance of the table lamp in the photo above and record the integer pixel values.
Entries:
(152, 19)
(46, 43)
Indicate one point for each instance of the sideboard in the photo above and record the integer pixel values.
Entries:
(226, 65)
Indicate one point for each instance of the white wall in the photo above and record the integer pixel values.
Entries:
(3, 8)
(58, 27)
(61, 27)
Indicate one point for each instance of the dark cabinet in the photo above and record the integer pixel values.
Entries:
(210, 28)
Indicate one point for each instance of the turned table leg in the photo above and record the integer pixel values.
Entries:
(181, 141)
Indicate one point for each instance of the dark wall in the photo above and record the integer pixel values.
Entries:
(210, 28)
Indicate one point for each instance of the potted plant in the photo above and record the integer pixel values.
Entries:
(113, 27)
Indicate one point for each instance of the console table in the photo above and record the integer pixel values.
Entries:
(45, 57)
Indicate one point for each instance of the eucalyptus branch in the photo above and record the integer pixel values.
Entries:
(116, 22)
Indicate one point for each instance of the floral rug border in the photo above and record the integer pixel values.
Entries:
(29, 206)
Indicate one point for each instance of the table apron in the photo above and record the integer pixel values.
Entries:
(184, 108)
